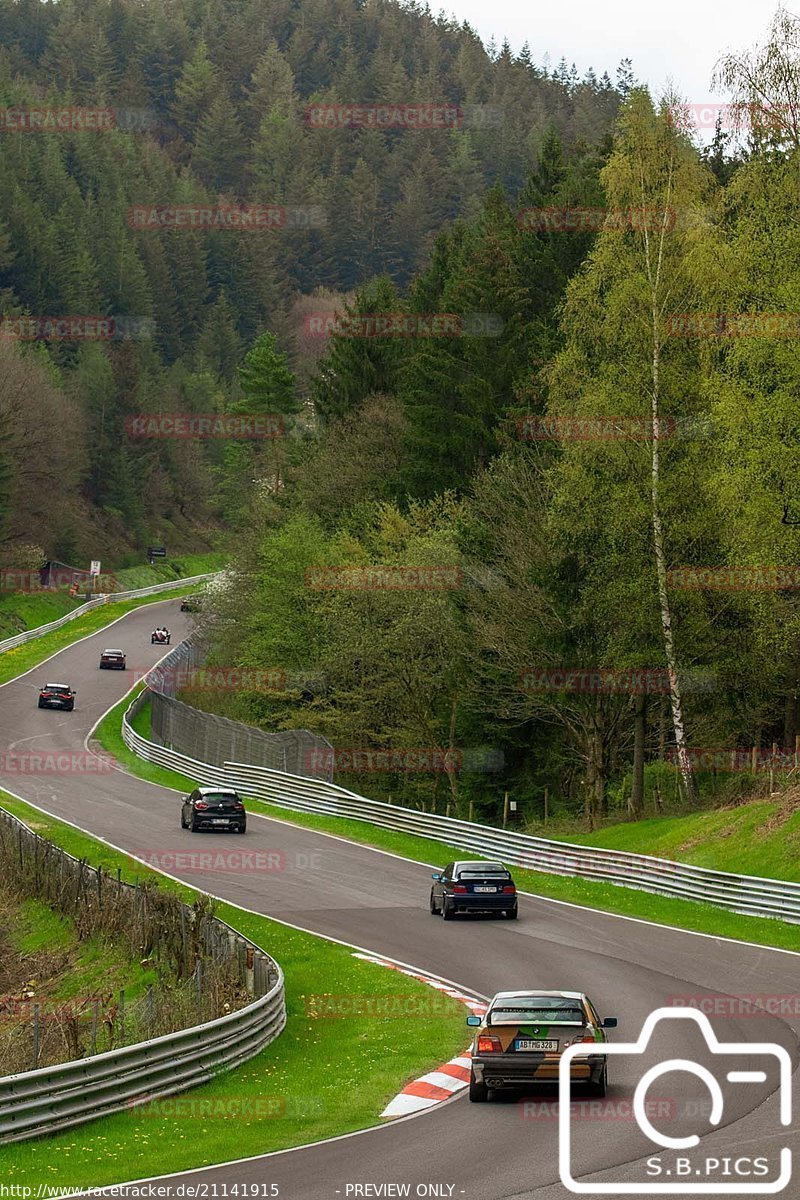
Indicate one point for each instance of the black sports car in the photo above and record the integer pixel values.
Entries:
(485, 887)
(57, 695)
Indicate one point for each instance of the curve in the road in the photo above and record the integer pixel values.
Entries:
(375, 901)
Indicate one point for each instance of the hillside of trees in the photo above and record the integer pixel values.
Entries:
(210, 104)
(565, 550)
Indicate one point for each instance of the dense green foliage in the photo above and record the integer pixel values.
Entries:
(210, 108)
(568, 546)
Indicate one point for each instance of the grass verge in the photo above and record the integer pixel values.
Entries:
(75, 964)
(663, 910)
(323, 1076)
(760, 837)
(143, 575)
(22, 610)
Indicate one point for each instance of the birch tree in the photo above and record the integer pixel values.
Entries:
(622, 366)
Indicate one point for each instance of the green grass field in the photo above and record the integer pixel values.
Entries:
(761, 837)
(20, 610)
(83, 968)
(130, 578)
(323, 1076)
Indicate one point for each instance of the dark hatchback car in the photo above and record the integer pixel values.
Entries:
(473, 887)
(213, 808)
(57, 695)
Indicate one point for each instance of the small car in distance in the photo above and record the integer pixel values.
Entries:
(477, 887)
(112, 660)
(160, 636)
(57, 695)
(213, 808)
(190, 604)
(520, 1040)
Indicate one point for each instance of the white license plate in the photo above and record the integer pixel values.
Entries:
(534, 1044)
(219, 820)
(485, 889)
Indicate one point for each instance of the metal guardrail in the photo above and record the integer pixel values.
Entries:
(110, 598)
(57, 1097)
(749, 894)
(215, 739)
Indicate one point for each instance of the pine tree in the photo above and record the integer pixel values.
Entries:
(195, 92)
(219, 150)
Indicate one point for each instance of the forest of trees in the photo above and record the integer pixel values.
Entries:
(612, 426)
(209, 105)
(570, 550)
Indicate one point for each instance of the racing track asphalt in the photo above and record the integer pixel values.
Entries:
(378, 902)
